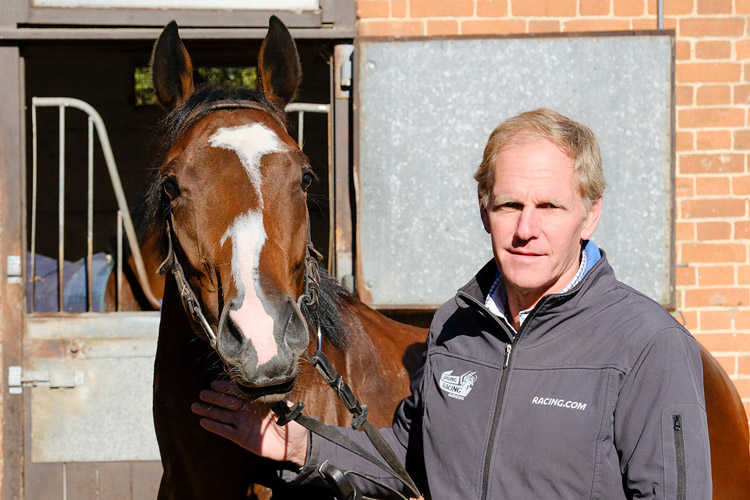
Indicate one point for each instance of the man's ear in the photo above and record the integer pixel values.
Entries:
(484, 215)
(591, 221)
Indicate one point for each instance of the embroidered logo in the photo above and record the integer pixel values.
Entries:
(457, 386)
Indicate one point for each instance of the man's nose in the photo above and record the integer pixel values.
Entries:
(528, 224)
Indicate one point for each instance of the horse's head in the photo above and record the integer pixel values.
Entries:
(233, 184)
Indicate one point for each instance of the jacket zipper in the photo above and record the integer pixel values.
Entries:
(501, 390)
(679, 444)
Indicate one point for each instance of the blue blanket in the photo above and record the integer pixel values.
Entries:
(75, 296)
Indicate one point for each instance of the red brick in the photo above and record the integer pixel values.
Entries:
(684, 231)
(720, 207)
(743, 365)
(715, 230)
(715, 275)
(398, 8)
(717, 49)
(742, 7)
(492, 8)
(645, 23)
(708, 72)
(711, 26)
(724, 342)
(685, 276)
(688, 319)
(441, 8)
(710, 117)
(540, 8)
(705, 164)
(742, 230)
(712, 186)
(672, 7)
(604, 24)
(743, 49)
(714, 252)
(442, 27)
(492, 27)
(741, 184)
(742, 385)
(593, 7)
(743, 275)
(742, 94)
(629, 8)
(373, 8)
(715, 320)
(683, 141)
(682, 50)
(399, 28)
(714, 6)
(544, 26)
(684, 187)
(742, 139)
(742, 321)
(713, 139)
(683, 95)
(713, 94)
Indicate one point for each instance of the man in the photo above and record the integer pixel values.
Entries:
(545, 377)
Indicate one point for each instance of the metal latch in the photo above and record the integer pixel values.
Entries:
(343, 54)
(14, 269)
(17, 379)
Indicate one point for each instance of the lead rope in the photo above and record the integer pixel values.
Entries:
(335, 478)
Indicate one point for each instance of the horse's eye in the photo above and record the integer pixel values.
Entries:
(170, 188)
(307, 178)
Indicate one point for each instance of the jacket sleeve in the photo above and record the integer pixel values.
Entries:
(404, 438)
(661, 434)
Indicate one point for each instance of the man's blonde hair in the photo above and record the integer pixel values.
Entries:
(575, 140)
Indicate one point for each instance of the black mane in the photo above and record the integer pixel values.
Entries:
(153, 209)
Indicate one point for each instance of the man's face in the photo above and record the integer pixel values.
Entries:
(536, 218)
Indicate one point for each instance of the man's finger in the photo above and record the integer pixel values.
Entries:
(225, 386)
(222, 399)
(213, 412)
(219, 428)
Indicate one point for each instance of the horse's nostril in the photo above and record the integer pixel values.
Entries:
(234, 330)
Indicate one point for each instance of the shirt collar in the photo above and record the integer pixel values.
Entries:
(498, 295)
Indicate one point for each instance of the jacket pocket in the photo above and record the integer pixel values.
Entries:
(687, 461)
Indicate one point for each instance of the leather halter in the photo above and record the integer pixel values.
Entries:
(310, 297)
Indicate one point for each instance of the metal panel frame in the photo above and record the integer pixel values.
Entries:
(12, 187)
(17, 16)
(668, 303)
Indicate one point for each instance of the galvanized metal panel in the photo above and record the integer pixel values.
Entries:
(426, 108)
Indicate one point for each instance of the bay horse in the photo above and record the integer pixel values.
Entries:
(230, 196)
(230, 201)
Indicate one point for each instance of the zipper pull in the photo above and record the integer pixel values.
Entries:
(508, 348)
(677, 422)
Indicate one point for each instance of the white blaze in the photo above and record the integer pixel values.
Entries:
(250, 143)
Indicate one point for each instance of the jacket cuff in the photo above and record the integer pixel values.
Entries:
(308, 471)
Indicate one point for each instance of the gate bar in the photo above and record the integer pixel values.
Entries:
(61, 212)
(64, 102)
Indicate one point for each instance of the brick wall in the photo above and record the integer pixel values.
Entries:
(712, 136)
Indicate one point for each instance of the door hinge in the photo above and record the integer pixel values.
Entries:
(14, 270)
(18, 379)
(343, 54)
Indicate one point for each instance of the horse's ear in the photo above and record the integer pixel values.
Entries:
(279, 68)
(171, 69)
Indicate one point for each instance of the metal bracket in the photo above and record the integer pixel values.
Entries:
(14, 269)
(18, 379)
(343, 54)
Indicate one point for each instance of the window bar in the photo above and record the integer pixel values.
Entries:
(90, 221)
(33, 204)
(119, 261)
(61, 213)
(301, 129)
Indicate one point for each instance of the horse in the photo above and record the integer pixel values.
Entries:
(229, 199)
(228, 206)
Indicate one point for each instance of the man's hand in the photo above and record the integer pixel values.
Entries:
(252, 426)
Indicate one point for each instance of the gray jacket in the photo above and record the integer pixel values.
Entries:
(600, 395)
